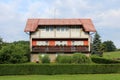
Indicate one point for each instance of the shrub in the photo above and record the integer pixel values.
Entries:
(45, 59)
(48, 69)
(79, 58)
(101, 60)
(13, 53)
(63, 59)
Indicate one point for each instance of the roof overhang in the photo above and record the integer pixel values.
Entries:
(32, 24)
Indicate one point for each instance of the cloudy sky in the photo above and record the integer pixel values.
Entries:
(105, 15)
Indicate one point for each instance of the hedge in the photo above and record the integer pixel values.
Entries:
(101, 60)
(50, 69)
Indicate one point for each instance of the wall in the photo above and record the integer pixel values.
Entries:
(35, 57)
(71, 32)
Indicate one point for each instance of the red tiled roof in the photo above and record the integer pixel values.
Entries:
(32, 24)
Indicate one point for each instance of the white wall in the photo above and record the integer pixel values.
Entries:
(35, 34)
(62, 34)
(44, 34)
(84, 34)
(70, 33)
(75, 33)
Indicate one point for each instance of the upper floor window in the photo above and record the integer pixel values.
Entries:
(58, 29)
(42, 28)
(75, 28)
(49, 28)
(62, 28)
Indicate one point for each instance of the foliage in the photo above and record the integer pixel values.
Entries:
(63, 59)
(79, 58)
(109, 46)
(101, 60)
(14, 53)
(50, 69)
(45, 59)
(1, 42)
(96, 45)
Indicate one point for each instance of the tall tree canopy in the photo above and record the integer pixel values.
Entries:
(1, 41)
(16, 52)
(96, 45)
(109, 46)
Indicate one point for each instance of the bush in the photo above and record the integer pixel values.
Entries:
(79, 58)
(13, 53)
(101, 60)
(50, 69)
(45, 59)
(63, 59)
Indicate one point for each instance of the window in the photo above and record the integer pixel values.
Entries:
(58, 28)
(42, 43)
(49, 28)
(42, 28)
(75, 28)
(61, 43)
(67, 28)
(62, 28)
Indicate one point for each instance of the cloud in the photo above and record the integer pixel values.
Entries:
(108, 19)
(14, 14)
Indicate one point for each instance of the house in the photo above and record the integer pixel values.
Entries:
(58, 36)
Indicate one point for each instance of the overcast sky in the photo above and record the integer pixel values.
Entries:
(105, 15)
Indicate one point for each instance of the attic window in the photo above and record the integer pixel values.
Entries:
(49, 28)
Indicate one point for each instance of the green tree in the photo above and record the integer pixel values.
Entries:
(96, 45)
(1, 42)
(14, 53)
(109, 46)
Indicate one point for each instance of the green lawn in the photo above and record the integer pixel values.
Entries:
(64, 77)
(112, 55)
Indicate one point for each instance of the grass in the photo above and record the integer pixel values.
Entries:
(112, 55)
(64, 77)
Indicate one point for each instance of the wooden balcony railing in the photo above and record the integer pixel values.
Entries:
(48, 49)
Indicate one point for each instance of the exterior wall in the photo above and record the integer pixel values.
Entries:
(34, 57)
(60, 34)
(76, 32)
(84, 34)
(44, 34)
(72, 32)
(35, 34)
(69, 33)
(89, 40)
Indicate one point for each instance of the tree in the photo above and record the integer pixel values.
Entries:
(96, 45)
(16, 52)
(1, 41)
(109, 46)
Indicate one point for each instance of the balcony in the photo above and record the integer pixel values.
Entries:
(50, 49)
